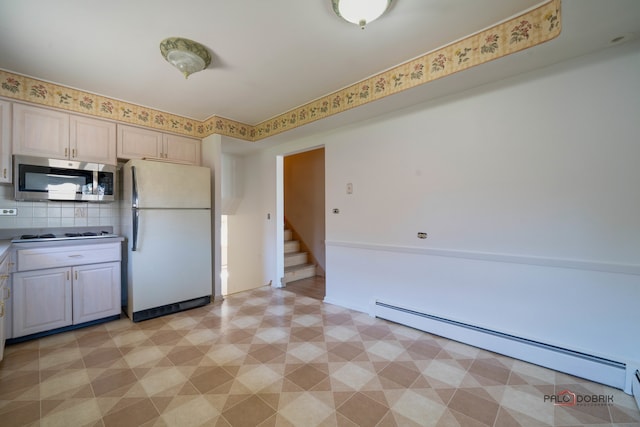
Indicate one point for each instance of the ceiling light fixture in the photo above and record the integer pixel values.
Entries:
(186, 55)
(360, 12)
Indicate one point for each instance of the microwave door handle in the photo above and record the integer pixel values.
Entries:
(94, 186)
(134, 208)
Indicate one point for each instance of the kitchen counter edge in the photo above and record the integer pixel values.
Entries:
(6, 245)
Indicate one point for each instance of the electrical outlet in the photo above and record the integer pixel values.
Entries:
(9, 211)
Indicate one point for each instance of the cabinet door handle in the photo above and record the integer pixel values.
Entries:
(66, 152)
(76, 274)
(75, 256)
(1, 308)
(68, 276)
(73, 153)
(8, 293)
(4, 172)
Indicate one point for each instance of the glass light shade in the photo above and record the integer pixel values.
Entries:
(186, 62)
(186, 55)
(360, 12)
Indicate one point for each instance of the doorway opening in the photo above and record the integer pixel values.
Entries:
(302, 204)
(224, 273)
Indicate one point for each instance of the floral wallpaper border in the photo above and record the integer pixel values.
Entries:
(534, 27)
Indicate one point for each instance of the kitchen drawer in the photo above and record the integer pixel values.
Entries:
(64, 256)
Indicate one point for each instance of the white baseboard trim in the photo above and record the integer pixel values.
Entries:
(329, 300)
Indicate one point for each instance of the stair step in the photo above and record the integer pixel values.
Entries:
(288, 235)
(291, 246)
(296, 258)
(299, 272)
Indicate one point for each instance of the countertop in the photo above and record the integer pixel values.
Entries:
(66, 242)
(4, 247)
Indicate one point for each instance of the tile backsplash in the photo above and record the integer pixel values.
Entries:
(57, 214)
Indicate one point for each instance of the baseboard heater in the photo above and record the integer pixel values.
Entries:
(572, 362)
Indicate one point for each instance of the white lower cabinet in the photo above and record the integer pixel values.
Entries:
(41, 301)
(96, 292)
(51, 298)
(5, 301)
(3, 334)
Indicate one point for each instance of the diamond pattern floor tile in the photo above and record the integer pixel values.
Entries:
(275, 358)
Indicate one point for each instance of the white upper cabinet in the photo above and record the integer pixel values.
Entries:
(139, 143)
(182, 149)
(5, 141)
(92, 140)
(40, 132)
(49, 133)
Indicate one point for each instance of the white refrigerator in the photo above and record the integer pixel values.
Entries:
(166, 219)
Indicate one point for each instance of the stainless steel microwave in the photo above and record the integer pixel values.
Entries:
(37, 178)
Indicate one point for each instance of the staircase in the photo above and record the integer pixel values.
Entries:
(296, 263)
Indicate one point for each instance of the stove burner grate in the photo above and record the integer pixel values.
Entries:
(68, 235)
(37, 236)
(85, 234)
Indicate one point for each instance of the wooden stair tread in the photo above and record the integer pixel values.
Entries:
(298, 267)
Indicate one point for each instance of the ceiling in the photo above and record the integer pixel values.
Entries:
(272, 56)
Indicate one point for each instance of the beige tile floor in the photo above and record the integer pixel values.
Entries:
(313, 287)
(271, 357)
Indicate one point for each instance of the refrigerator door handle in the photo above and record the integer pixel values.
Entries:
(134, 188)
(134, 208)
(136, 220)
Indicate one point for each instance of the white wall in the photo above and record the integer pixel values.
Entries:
(528, 190)
(231, 183)
(251, 244)
(212, 158)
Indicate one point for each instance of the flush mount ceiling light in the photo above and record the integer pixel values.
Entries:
(360, 12)
(186, 55)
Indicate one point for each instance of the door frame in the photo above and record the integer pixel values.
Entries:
(280, 209)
